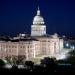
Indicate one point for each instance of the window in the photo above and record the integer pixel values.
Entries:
(12, 46)
(20, 46)
(10, 50)
(44, 29)
(23, 46)
(15, 46)
(9, 46)
(6, 46)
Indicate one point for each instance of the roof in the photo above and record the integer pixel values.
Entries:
(26, 38)
(47, 36)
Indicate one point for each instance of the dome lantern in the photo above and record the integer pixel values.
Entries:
(38, 11)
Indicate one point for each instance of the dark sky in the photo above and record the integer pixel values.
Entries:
(17, 15)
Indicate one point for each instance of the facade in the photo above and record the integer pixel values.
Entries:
(39, 43)
(27, 47)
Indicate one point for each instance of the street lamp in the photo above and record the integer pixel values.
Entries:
(72, 47)
(67, 45)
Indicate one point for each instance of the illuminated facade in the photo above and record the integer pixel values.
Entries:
(39, 43)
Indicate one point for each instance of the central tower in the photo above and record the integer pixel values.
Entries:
(38, 28)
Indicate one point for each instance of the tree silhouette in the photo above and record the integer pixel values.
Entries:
(71, 58)
(2, 63)
(29, 65)
(21, 60)
(49, 64)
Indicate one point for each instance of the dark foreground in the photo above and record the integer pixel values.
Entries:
(38, 69)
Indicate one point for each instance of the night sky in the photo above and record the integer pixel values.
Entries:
(16, 16)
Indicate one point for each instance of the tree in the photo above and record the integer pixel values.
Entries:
(21, 60)
(8, 58)
(29, 65)
(48, 63)
(2, 63)
(71, 58)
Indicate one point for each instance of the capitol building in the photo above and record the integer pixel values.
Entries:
(37, 44)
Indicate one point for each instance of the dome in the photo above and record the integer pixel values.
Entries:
(38, 19)
(55, 35)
